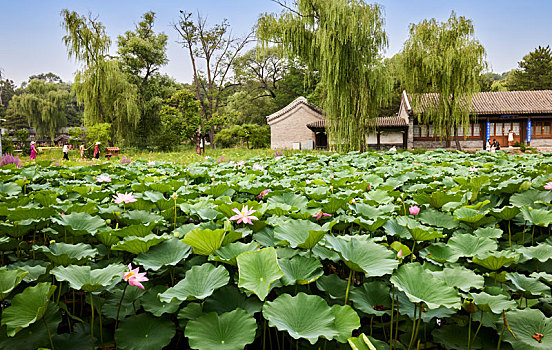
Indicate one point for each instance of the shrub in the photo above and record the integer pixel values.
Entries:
(10, 159)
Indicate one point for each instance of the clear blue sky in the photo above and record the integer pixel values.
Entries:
(30, 42)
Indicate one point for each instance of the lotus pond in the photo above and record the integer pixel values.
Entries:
(440, 250)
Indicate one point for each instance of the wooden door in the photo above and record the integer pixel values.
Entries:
(499, 131)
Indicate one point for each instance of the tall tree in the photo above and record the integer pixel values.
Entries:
(342, 40)
(43, 104)
(535, 71)
(444, 59)
(212, 51)
(142, 52)
(100, 85)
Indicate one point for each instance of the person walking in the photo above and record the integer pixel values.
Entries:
(33, 151)
(97, 150)
(510, 138)
(82, 149)
(65, 151)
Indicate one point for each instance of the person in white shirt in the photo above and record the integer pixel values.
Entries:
(65, 152)
(510, 138)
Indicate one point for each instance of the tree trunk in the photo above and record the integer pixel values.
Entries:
(456, 139)
(212, 137)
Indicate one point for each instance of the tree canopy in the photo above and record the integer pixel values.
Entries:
(101, 86)
(535, 71)
(444, 59)
(342, 40)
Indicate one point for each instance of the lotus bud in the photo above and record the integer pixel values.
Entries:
(368, 187)
(176, 234)
(469, 306)
(400, 254)
(174, 196)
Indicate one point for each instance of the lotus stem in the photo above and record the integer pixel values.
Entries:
(413, 327)
(412, 255)
(119, 306)
(532, 235)
(509, 234)
(469, 332)
(477, 330)
(92, 322)
(264, 335)
(392, 314)
(49, 334)
(351, 276)
(396, 325)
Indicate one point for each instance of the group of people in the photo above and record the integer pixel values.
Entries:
(494, 145)
(66, 148)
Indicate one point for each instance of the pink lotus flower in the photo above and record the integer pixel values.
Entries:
(473, 169)
(414, 210)
(320, 214)
(151, 163)
(368, 188)
(263, 193)
(257, 167)
(548, 186)
(103, 178)
(124, 198)
(307, 181)
(241, 163)
(400, 254)
(244, 215)
(133, 277)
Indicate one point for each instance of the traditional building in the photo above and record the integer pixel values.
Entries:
(301, 125)
(493, 114)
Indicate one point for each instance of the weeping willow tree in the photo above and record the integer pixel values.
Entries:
(100, 85)
(342, 40)
(43, 104)
(442, 65)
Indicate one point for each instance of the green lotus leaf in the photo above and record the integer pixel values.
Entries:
(543, 276)
(139, 230)
(438, 219)
(378, 197)
(368, 211)
(151, 303)
(287, 201)
(420, 286)
(364, 256)
(258, 270)
(190, 311)
(142, 217)
(454, 337)
(228, 331)
(35, 269)
(394, 228)
(493, 303)
(488, 232)
(169, 253)
(65, 254)
(34, 336)
(525, 324)
(230, 252)
(199, 283)
(204, 242)
(333, 204)
(300, 270)
(299, 233)
(80, 224)
(470, 245)
(461, 278)
(372, 298)
(139, 245)
(494, 261)
(437, 199)
(424, 233)
(153, 196)
(27, 307)
(143, 332)
(229, 298)
(106, 238)
(541, 252)
(9, 279)
(10, 188)
(530, 198)
(302, 316)
(217, 190)
(83, 277)
(346, 321)
(505, 213)
(528, 285)
(407, 308)
(333, 285)
(129, 303)
(539, 217)
(470, 216)
(364, 342)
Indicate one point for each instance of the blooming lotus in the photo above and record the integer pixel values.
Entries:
(263, 193)
(320, 214)
(124, 198)
(244, 215)
(548, 186)
(133, 277)
(473, 169)
(241, 163)
(103, 178)
(414, 210)
(257, 167)
(151, 163)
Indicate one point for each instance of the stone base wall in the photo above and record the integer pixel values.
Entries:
(541, 143)
(430, 144)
